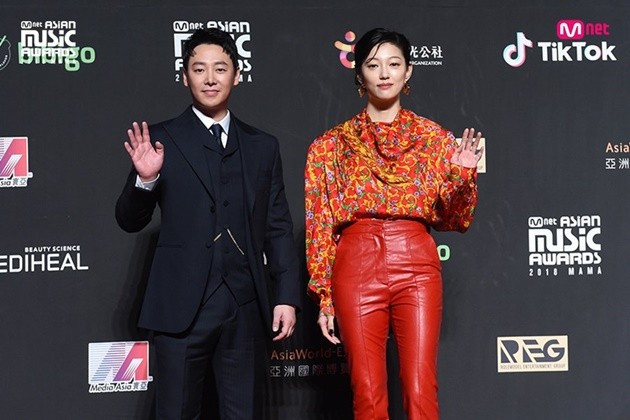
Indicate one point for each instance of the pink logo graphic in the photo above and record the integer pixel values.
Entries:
(576, 29)
(14, 161)
(119, 362)
(570, 29)
(345, 49)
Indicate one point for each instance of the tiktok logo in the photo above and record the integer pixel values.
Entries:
(514, 54)
(345, 49)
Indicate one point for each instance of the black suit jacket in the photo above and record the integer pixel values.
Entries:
(183, 254)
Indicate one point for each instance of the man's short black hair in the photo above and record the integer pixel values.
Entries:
(211, 36)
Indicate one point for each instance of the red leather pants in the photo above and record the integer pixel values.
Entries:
(388, 271)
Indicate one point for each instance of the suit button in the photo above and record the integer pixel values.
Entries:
(226, 203)
(226, 250)
(225, 274)
(212, 209)
(209, 243)
(224, 180)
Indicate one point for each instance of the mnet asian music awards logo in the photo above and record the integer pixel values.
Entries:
(577, 41)
(533, 354)
(240, 31)
(118, 366)
(5, 52)
(14, 170)
(53, 42)
(568, 244)
(420, 55)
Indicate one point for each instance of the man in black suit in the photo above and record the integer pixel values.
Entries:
(218, 183)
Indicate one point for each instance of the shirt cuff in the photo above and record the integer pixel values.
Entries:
(149, 185)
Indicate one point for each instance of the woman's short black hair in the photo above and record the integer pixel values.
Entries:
(378, 36)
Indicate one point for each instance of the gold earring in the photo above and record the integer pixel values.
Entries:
(406, 88)
(361, 91)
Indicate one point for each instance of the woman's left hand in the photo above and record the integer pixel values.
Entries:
(468, 153)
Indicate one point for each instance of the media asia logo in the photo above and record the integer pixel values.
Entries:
(568, 244)
(533, 354)
(572, 30)
(240, 31)
(424, 55)
(53, 42)
(14, 171)
(118, 366)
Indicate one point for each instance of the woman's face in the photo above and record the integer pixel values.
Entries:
(384, 73)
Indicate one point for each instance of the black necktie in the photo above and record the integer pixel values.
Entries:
(216, 132)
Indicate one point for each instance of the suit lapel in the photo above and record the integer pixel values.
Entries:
(189, 135)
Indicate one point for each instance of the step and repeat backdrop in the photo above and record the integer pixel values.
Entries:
(536, 305)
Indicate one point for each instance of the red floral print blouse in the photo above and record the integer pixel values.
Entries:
(361, 169)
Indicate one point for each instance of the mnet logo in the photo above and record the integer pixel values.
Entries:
(577, 29)
(181, 26)
(118, 366)
(14, 162)
(533, 354)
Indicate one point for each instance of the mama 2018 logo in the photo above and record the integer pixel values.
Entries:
(239, 30)
(567, 244)
(53, 42)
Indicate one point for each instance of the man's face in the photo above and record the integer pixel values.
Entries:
(210, 76)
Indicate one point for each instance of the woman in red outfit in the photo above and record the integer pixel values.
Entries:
(375, 186)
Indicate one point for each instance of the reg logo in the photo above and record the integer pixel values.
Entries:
(533, 354)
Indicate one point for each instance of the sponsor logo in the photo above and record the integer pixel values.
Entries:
(305, 362)
(515, 54)
(53, 42)
(568, 244)
(39, 259)
(420, 55)
(533, 354)
(14, 171)
(622, 160)
(346, 51)
(576, 29)
(5, 52)
(426, 55)
(239, 30)
(118, 366)
(572, 44)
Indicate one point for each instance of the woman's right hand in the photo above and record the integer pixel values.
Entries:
(327, 324)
